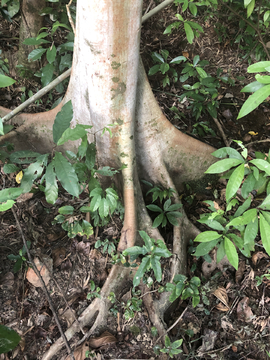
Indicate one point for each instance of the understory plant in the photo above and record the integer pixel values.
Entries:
(245, 216)
(75, 173)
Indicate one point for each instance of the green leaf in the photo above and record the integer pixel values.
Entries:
(213, 224)
(154, 208)
(247, 217)
(252, 87)
(167, 341)
(223, 165)
(95, 202)
(158, 220)
(73, 134)
(51, 188)
(174, 207)
(36, 54)
(147, 240)
(33, 172)
(189, 32)
(262, 165)
(265, 205)
(164, 68)
(250, 8)
(263, 79)
(13, 7)
(172, 218)
(157, 57)
(10, 168)
(162, 252)
(134, 251)
(90, 157)
(265, 231)
(254, 101)
(220, 252)
(248, 185)
(106, 171)
(153, 70)
(243, 207)
(231, 252)
(10, 194)
(193, 8)
(207, 236)
(51, 54)
(7, 205)
(103, 208)
(66, 175)
(205, 247)
(258, 67)
(201, 72)
(66, 210)
(235, 181)
(62, 121)
(178, 60)
(47, 74)
(9, 339)
(141, 271)
(250, 234)
(6, 81)
(232, 153)
(155, 264)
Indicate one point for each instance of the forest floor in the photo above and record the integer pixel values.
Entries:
(232, 320)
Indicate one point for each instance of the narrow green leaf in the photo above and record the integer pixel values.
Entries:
(62, 121)
(220, 252)
(265, 231)
(10, 168)
(33, 172)
(265, 205)
(258, 67)
(207, 236)
(147, 240)
(141, 271)
(223, 165)
(73, 134)
(36, 54)
(154, 208)
(252, 87)
(172, 218)
(153, 70)
(66, 210)
(235, 181)
(158, 220)
(247, 217)
(51, 54)
(250, 8)
(254, 101)
(51, 189)
(103, 208)
(189, 32)
(47, 74)
(134, 251)
(7, 205)
(155, 264)
(231, 252)
(66, 175)
(232, 153)
(205, 247)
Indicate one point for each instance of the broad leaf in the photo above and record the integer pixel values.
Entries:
(10, 194)
(147, 240)
(189, 32)
(158, 220)
(7, 205)
(6, 81)
(265, 205)
(254, 101)
(36, 54)
(66, 210)
(10, 168)
(154, 208)
(66, 175)
(51, 189)
(9, 339)
(207, 236)
(73, 134)
(262, 164)
(103, 208)
(47, 74)
(265, 231)
(223, 165)
(205, 247)
(62, 121)
(247, 217)
(223, 152)
(51, 54)
(231, 252)
(248, 185)
(220, 252)
(258, 67)
(252, 87)
(33, 172)
(235, 181)
(90, 157)
(243, 207)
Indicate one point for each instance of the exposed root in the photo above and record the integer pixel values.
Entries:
(97, 311)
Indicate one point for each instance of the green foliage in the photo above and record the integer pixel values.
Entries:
(170, 348)
(20, 259)
(133, 305)
(238, 227)
(260, 88)
(158, 192)
(9, 339)
(164, 67)
(184, 288)
(9, 8)
(94, 291)
(107, 246)
(259, 279)
(152, 251)
(170, 212)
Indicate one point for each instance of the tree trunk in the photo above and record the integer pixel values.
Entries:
(31, 23)
(108, 85)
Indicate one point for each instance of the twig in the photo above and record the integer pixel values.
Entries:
(70, 352)
(156, 9)
(173, 325)
(256, 142)
(70, 18)
(37, 96)
(226, 142)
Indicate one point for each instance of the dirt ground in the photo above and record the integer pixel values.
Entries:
(233, 318)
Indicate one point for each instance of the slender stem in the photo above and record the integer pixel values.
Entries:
(43, 285)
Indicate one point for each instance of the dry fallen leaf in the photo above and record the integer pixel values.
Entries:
(225, 324)
(58, 256)
(208, 341)
(258, 256)
(68, 316)
(7, 279)
(104, 339)
(79, 353)
(44, 272)
(244, 312)
(222, 296)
